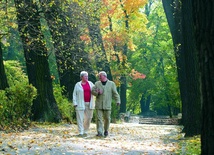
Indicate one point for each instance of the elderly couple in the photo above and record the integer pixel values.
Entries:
(83, 101)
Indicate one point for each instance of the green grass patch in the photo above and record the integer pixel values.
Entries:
(190, 146)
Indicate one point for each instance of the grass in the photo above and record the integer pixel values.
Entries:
(190, 146)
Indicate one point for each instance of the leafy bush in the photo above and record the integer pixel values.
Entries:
(114, 113)
(63, 103)
(16, 101)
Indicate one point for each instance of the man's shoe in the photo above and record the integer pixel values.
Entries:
(80, 135)
(106, 133)
(85, 135)
(99, 135)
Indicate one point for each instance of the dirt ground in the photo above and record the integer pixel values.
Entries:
(123, 139)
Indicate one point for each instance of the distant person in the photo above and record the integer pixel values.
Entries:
(83, 101)
(104, 90)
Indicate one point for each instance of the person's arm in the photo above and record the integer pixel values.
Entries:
(94, 90)
(116, 96)
(75, 96)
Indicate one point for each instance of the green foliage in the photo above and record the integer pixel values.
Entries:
(15, 74)
(65, 106)
(16, 101)
(190, 146)
(154, 57)
(114, 112)
(12, 46)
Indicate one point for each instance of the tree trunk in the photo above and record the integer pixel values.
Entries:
(44, 106)
(172, 10)
(145, 102)
(203, 11)
(187, 64)
(3, 80)
(193, 118)
(61, 36)
(123, 87)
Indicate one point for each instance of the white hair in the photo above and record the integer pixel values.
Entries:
(103, 73)
(83, 73)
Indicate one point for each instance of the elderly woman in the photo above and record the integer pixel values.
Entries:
(83, 102)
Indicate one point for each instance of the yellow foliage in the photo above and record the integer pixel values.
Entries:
(132, 6)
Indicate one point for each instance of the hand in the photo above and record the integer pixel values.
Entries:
(118, 104)
(99, 91)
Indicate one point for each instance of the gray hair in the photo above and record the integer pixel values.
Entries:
(103, 73)
(83, 73)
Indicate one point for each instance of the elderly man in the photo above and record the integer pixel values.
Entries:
(104, 90)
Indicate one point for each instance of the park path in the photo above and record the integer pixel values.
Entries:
(124, 139)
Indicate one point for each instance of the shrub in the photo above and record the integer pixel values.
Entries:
(114, 113)
(65, 106)
(16, 101)
(16, 106)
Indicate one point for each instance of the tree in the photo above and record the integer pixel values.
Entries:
(172, 10)
(154, 57)
(202, 13)
(118, 24)
(93, 22)
(3, 80)
(71, 57)
(192, 122)
(186, 62)
(44, 106)
(3, 32)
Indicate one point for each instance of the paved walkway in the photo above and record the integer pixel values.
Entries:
(123, 139)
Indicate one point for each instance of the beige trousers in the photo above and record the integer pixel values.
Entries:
(103, 115)
(84, 118)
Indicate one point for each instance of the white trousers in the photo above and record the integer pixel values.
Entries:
(84, 118)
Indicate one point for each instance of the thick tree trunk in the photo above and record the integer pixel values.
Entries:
(193, 119)
(61, 36)
(187, 64)
(44, 106)
(3, 78)
(172, 10)
(203, 11)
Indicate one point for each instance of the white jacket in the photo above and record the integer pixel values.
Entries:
(78, 96)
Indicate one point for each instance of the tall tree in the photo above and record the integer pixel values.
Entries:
(71, 57)
(192, 123)
(154, 57)
(44, 106)
(93, 23)
(203, 11)
(123, 78)
(3, 80)
(3, 33)
(172, 9)
(186, 62)
(117, 21)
